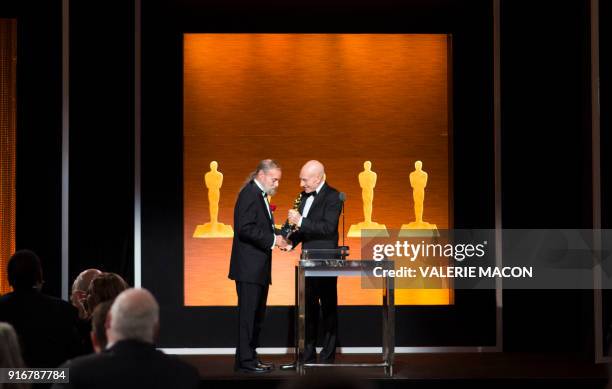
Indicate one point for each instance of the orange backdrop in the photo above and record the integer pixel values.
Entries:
(8, 143)
(338, 98)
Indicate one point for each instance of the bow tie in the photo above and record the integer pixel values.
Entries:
(307, 195)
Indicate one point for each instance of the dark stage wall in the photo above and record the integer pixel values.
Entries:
(39, 115)
(102, 137)
(101, 134)
(546, 157)
(545, 127)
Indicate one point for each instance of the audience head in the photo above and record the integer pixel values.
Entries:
(134, 315)
(98, 326)
(25, 271)
(83, 280)
(80, 285)
(10, 353)
(104, 287)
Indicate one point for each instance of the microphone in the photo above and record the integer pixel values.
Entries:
(342, 197)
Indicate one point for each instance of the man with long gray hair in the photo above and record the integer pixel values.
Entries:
(130, 359)
(251, 261)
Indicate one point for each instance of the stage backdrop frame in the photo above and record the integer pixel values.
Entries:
(472, 323)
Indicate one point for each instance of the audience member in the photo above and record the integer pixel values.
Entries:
(10, 354)
(78, 298)
(131, 359)
(102, 288)
(80, 286)
(45, 325)
(98, 326)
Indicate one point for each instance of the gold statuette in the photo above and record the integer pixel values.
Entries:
(419, 227)
(213, 180)
(367, 181)
(289, 228)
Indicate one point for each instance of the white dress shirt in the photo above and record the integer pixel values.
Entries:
(309, 202)
(268, 208)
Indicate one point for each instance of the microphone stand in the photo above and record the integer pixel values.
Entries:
(343, 248)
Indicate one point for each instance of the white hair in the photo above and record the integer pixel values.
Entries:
(10, 354)
(265, 165)
(134, 315)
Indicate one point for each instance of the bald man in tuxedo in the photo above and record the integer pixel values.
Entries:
(317, 219)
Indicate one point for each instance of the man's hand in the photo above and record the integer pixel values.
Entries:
(289, 246)
(77, 299)
(281, 242)
(294, 217)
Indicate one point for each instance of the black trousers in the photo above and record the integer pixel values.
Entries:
(251, 312)
(321, 295)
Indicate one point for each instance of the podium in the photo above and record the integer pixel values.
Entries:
(317, 263)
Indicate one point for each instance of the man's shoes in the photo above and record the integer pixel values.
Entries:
(288, 366)
(253, 369)
(265, 365)
(293, 365)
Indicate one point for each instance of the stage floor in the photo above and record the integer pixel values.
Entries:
(429, 370)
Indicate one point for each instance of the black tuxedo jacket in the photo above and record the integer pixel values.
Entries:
(130, 364)
(319, 229)
(254, 236)
(46, 327)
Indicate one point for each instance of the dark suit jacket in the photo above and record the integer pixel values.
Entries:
(130, 364)
(46, 327)
(319, 230)
(253, 238)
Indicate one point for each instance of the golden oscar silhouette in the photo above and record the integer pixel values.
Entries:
(367, 181)
(418, 182)
(213, 181)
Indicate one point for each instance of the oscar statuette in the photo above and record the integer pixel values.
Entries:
(289, 228)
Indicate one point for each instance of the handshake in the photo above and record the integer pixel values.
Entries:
(283, 242)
